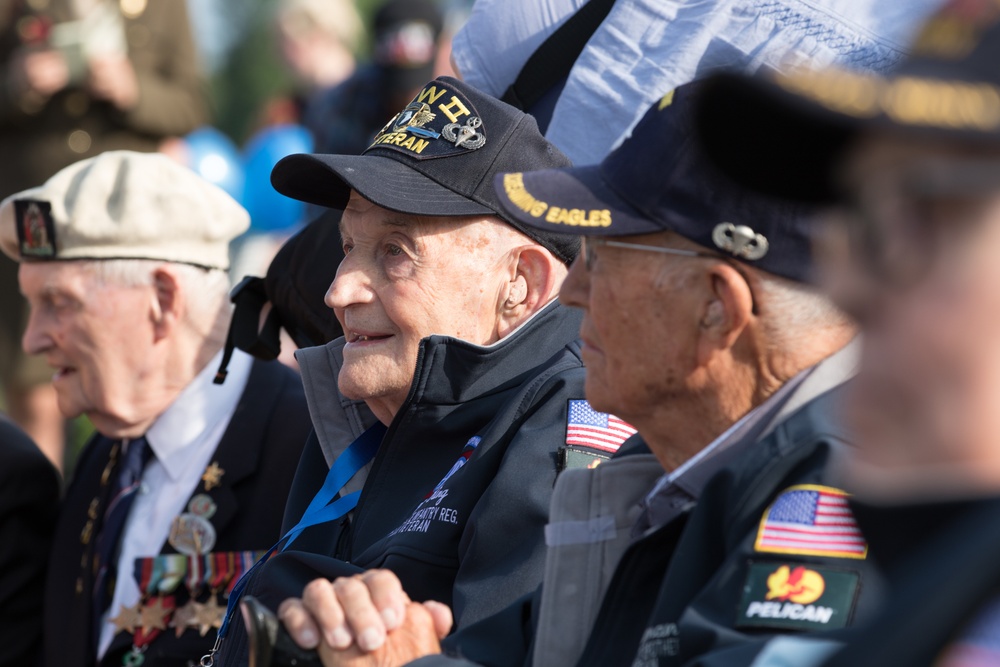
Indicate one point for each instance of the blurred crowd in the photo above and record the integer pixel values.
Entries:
(534, 332)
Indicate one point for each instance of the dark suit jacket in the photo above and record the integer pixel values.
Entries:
(259, 452)
(29, 500)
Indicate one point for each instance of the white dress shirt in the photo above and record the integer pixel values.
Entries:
(183, 440)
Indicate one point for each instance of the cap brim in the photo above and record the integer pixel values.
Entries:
(327, 180)
(575, 200)
(770, 140)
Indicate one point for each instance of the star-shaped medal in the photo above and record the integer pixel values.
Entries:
(185, 617)
(127, 619)
(212, 476)
(154, 616)
(210, 615)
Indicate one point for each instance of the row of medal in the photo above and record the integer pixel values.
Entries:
(161, 577)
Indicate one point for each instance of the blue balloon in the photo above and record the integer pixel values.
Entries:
(269, 210)
(214, 157)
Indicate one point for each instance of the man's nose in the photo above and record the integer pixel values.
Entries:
(575, 290)
(351, 285)
(36, 339)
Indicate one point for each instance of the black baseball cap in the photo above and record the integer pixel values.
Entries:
(785, 134)
(436, 157)
(659, 180)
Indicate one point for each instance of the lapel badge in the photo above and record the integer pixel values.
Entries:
(202, 505)
(213, 476)
(465, 136)
(739, 241)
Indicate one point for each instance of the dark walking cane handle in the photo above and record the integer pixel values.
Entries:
(270, 643)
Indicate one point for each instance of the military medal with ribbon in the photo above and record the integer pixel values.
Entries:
(157, 579)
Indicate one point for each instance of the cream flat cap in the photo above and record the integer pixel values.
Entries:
(123, 205)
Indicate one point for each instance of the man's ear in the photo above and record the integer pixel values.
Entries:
(534, 281)
(167, 302)
(727, 312)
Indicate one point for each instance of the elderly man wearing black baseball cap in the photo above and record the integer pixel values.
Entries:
(911, 164)
(458, 379)
(699, 328)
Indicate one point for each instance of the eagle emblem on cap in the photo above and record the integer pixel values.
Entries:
(413, 118)
(466, 135)
(739, 241)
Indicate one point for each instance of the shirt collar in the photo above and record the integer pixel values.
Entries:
(196, 412)
(692, 475)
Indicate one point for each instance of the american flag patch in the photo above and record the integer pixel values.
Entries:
(811, 520)
(587, 427)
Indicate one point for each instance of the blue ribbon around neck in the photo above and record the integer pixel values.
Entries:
(322, 509)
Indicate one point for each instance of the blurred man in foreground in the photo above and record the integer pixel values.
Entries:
(123, 261)
(913, 160)
(698, 328)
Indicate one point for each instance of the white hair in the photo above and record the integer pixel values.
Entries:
(206, 290)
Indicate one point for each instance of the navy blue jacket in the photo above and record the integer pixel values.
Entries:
(476, 543)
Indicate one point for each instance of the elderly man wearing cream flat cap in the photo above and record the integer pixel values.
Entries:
(123, 259)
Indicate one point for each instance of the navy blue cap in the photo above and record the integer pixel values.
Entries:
(658, 180)
(786, 134)
(436, 157)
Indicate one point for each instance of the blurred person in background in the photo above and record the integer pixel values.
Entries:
(81, 77)
(318, 40)
(123, 259)
(405, 38)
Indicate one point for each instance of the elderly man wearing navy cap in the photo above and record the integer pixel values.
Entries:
(458, 378)
(700, 329)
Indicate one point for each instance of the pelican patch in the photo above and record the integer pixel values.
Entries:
(797, 596)
(439, 122)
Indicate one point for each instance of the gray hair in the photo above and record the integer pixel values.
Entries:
(791, 309)
(206, 290)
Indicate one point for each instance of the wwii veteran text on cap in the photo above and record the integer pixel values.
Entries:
(123, 205)
(436, 157)
(656, 181)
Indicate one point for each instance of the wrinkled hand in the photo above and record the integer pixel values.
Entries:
(40, 72)
(366, 619)
(113, 78)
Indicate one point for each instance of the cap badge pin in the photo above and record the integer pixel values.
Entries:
(413, 118)
(739, 240)
(466, 135)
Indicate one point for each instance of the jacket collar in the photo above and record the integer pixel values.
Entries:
(449, 371)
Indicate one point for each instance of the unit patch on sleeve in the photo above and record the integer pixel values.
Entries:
(811, 520)
(797, 596)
